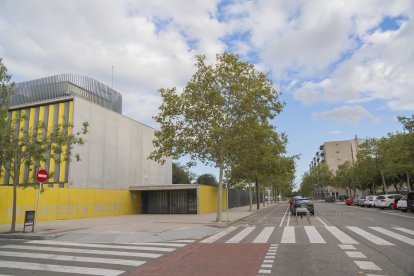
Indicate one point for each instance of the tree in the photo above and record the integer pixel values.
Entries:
(204, 121)
(207, 179)
(181, 174)
(316, 180)
(32, 146)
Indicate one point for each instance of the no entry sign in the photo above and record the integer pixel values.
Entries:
(42, 176)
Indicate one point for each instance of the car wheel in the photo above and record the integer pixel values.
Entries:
(312, 213)
(382, 208)
(390, 206)
(403, 210)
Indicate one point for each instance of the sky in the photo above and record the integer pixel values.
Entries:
(343, 67)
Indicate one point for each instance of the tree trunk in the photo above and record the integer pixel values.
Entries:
(15, 181)
(257, 195)
(408, 181)
(250, 199)
(220, 190)
(383, 183)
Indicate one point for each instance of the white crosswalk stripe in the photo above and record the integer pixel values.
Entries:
(241, 235)
(405, 230)
(78, 258)
(313, 235)
(219, 235)
(288, 235)
(394, 235)
(369, 236)
(264, 236)
(341, 236)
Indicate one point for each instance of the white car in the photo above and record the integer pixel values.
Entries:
(386, 201)
(402, 204)
(370, 201)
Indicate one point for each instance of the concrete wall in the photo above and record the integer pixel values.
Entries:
(208, 199)
(68, 203)
(115, 154)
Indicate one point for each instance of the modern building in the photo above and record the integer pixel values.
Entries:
(114, 175)
(333, 154)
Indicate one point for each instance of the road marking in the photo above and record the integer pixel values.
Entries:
(394, 235)
(355, 254)
(322, 221)
(219, 235)
(269, 261)
(265, 271)
(241, 235)
(84, 251)
(346, 246)
(288, 235)
(270, 257)
(188, 241)
(70, 258)
(283, 219)
(288, 220)
(341, 236)
(369, 236)
(394, 214)
(408, 231)
(367, 265)
(313, 235)
(266, 265)
(145, 248)
(61, 268)
(264, 236)
(172, 244)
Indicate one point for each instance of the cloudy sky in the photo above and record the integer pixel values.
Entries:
(344, 67)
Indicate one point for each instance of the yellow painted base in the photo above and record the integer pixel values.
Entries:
(208, 199)
(68, 203)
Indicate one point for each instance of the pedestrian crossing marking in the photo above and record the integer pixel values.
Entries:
(367, 265)
(60, 268)
(288, 235)
(219, 235)
(264, 236)
(70, 258)
(145, 248)
(408, 231)
(313, 235)
(394, 235)
(83, 251)
(341, 236)
(355, 254)
(241, 235)
(369, 236)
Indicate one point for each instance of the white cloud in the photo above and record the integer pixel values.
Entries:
(335, 132)
(348, 114)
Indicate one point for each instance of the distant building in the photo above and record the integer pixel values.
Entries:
(333, 154)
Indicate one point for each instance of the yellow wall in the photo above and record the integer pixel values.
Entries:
(68, 203)
(208, 196)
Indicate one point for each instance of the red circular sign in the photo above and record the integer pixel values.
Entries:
(42, 176)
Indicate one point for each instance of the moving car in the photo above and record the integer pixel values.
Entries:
(386, 201)
(303, 203)
(402, 204)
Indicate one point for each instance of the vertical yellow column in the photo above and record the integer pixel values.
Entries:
(21, 133)
(13, 121)
(32, 120)
(50, 126)
(40, 133)
(62, 164)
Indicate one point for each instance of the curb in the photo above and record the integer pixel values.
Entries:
(248, 216)
(28, 236)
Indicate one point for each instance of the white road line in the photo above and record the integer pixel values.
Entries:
(288, 235)
(283, 219)
(265, 271)
(172, 244)
(90, 245)
(269, 261)
(83, 251)
(313, 235)
(355, 254)
(341, 236)
(394, 214)
(187, 241)
(61, 268)
(219, 235)
(264, 236)
(367, 265)
(394, 235)
(70, 258)
(324, 224)
(266, 265)
(241, 235)
(369, 236)
(405, 230)
(288, 220)
(346, 246)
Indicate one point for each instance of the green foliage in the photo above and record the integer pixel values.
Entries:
(181, 174)
(215, 113)
(207, 179)
(314, 181)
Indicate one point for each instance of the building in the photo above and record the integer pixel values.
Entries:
(114, 175)
(333, 154)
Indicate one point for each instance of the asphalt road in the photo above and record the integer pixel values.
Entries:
(338, 240)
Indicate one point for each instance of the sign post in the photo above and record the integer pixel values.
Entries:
(42, 176)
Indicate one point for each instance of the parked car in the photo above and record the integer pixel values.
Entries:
(395, 203)
(402, 204)
(303, 203)
(349, 201)
(342, 197)
(330, 199)
(410, 201)
(361, 201)
(370, 201)
(355, 201)
(386, 201)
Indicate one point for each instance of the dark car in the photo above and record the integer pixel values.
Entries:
(410, 201)
(303, 203)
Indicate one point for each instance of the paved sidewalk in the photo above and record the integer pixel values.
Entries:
(131, 228)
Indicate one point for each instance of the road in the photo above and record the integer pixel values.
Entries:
(338, 240)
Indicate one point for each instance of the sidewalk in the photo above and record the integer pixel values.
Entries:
(131, 228)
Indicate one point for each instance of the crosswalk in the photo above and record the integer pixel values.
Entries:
(346, 235)
(48, 256)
